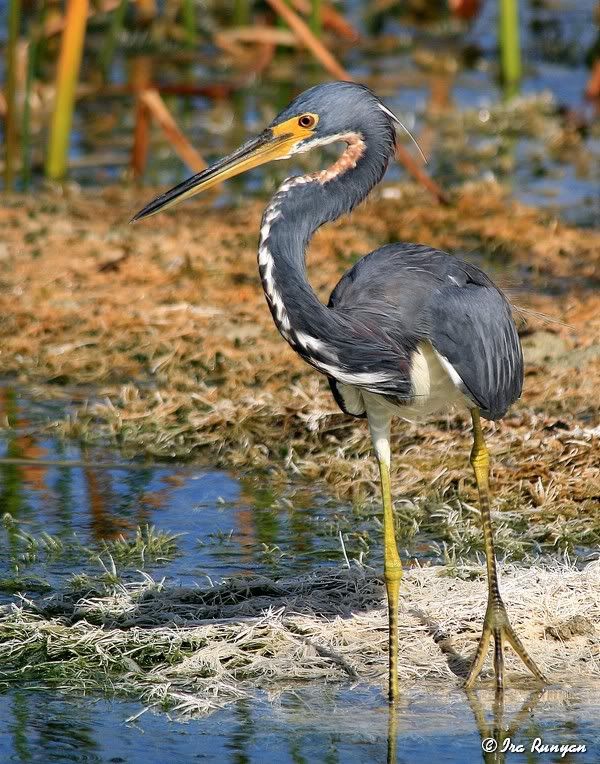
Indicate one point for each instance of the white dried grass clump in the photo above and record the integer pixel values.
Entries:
(195, 650)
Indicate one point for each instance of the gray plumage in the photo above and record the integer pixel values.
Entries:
(413, 293)
(394, 304)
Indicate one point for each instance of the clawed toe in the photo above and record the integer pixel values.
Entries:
(497, 627)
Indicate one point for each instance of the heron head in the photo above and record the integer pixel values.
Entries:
(321, 115)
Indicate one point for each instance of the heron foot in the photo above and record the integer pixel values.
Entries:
(497, 626)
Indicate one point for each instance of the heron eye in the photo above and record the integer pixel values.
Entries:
(307, 121)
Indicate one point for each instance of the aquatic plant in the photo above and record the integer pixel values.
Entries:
(149, 545)
(510, 45)
(67, 75)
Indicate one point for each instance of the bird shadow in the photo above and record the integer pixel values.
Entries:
(457, 663)
(337, 593)
(240, 604)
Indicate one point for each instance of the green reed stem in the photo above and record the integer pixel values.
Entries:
(316, 19)
(279, 22)
(510, 48)
(241, 13)
(188, 15)
(107, 51)
(69, 62)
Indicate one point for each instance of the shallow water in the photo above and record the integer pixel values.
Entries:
(87, 495)
(307, 725)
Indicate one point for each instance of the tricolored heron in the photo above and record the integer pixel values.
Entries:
(408, 331)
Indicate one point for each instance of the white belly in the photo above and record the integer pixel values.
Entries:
(435, 387)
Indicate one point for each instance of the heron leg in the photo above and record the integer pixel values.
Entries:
(496, 624)
(392, 574)
(392, 566)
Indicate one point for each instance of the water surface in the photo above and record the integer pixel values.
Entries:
(325, 724)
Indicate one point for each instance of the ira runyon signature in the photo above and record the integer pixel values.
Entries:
(537, 745)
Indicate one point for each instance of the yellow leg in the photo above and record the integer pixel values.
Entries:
(392, 573)
(496, 624)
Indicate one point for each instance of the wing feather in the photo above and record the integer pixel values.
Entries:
(473, 328)
(412, 293)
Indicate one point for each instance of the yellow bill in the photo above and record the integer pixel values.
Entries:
(273, 143)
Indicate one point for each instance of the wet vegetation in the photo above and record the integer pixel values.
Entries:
(179, 379)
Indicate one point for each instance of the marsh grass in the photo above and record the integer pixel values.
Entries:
(25, 549)
(194, 650)
(185, 320)
(148, 545)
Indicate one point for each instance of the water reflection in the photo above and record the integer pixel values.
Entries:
(325, 724)
(304, 725)
(392, 734)
(39, 727)
(524, 733)
(497, 735)
(94, 495)
(433, 723)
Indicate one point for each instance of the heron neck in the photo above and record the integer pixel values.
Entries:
(301, 206)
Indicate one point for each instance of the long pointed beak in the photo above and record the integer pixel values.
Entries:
(269, 145)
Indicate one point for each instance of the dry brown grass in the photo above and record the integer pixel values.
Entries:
(165, 325)
(166, 320)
